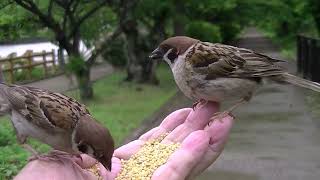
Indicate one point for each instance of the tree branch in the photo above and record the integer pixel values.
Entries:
(102, 45)
(50, 8)
(87, 15)
(45, 19)
(75, 6)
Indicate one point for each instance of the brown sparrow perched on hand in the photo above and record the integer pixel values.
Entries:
(216, 72)
(56, 120)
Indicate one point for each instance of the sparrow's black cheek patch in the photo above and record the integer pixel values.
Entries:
(172, 55)
(83, 148)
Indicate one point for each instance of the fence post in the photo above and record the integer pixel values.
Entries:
(29, 53)
(44, 58)
(11, 66)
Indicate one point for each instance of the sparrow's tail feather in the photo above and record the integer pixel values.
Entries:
(295, 80)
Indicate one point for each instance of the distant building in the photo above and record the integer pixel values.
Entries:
(36, 45)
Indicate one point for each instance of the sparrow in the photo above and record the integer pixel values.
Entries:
(206, 71)
(56, 120)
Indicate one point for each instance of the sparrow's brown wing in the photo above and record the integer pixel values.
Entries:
(218, 60)
(45, 109)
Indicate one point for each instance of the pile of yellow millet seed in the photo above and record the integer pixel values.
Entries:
(95, 170)
(151, 156)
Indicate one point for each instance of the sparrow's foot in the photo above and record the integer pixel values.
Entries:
(201, 102)
(219, 116)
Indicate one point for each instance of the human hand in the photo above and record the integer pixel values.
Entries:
(201, 145)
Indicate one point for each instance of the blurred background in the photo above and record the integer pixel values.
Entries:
(97, 51)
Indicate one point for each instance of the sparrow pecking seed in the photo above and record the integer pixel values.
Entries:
(150, 157)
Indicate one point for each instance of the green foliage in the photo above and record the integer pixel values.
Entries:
(15, 23)
(287, 18)
(283, 20)
(204, 31)
(102, 22)
(75, 64)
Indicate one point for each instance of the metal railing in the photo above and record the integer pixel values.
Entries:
(308, 57)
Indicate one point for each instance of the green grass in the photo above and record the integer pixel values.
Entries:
(119, 105)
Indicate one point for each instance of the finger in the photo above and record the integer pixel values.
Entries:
(146, 136)
(185, 158)
(126, 151)
(171, 122)
(175, 119)
(196, 120)
(85, 161)
(218, 132)
(64, 169)
(116, 167)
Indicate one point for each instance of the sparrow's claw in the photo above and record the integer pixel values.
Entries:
(194, 105)
(201, 101)
(219, 116)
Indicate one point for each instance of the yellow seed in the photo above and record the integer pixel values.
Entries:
(151, 156)
(95, 170)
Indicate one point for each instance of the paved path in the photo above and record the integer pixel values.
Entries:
(274, 138)
(63, 83)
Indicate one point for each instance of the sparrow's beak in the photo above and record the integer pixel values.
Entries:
(157, 54)
(105, 162)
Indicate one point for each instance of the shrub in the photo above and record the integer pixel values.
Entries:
(204, 31)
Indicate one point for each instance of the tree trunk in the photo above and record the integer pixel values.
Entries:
(61, 60)
(134, 69)
(149, 72)
(84, 83)
(82, 72)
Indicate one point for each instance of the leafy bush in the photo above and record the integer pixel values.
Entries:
(229, 31)
(204, 31)
(75, 64)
